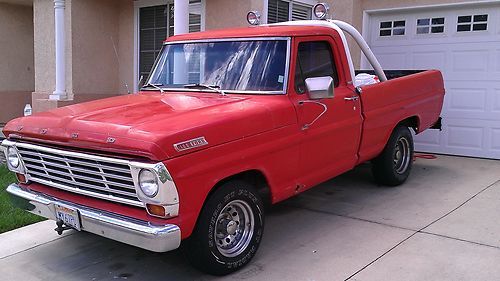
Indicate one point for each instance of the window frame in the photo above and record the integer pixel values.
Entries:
(337, 60)
(430, 25)
(472, 23)
(150, 3)
(287, 74)
(393, 28)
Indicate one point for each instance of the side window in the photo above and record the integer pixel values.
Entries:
(314, 59)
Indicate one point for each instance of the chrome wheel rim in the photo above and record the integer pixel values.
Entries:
(234, 228)
(401, 155)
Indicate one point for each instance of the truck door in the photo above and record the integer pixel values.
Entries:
(330, 128)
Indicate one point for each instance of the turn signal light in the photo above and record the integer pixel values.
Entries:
(21, 178)
(156, 210)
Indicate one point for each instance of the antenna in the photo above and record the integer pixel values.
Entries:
(118, 61)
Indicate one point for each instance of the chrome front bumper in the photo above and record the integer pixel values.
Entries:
(142, 234)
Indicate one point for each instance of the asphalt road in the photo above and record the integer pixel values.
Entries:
(441, 225)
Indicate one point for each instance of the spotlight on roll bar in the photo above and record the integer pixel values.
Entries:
(253, 18)
(321, 10)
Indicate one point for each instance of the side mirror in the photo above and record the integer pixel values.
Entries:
(320, 87)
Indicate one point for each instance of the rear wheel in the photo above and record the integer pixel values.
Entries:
(392, 167)
(229, 230)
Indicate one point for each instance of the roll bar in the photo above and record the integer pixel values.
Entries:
(342, 27)
(364, 47)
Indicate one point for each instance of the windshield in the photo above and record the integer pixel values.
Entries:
(256, 65)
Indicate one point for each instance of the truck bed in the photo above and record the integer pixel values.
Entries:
(391, 74)
(416, 96)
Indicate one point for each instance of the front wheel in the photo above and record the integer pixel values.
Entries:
(229, 230)
(392, 167)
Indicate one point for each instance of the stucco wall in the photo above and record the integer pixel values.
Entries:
(95, 27)
(126, 47)
(102, 43)
(17, 72)
(99, 50)
(16, 48)
(44, 50)
(94, 39)
(224, 13)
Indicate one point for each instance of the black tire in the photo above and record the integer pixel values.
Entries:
(392, 167)
(228, 208)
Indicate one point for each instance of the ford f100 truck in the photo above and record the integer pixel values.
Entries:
(228, 122)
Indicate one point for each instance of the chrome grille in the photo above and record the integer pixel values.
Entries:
(101, 177)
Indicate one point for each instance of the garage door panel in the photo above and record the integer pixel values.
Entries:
(429, 137)
(393, 60)
(472, 100)
(468, 100)
(470, 63)
(496, 101)
(429, 60)
(465, 137)
(497, 61)
(495, 139)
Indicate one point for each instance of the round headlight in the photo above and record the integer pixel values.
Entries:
(13, 157)
(321, 10)
(148, 182)
(253, 17)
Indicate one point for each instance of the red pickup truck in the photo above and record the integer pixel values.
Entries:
(229, 121)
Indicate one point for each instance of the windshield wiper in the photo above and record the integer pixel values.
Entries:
(156, 86)
(210, 87)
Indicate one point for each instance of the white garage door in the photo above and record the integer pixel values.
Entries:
(464, 43)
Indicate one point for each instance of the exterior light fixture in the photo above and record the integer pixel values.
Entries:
(321, 10)
(253, 18)
(148, 182)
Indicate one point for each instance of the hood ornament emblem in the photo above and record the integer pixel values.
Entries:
(190, 144)
(74, 135)
(110, 140)
(43, 131)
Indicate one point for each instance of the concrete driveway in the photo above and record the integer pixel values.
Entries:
(443, 224)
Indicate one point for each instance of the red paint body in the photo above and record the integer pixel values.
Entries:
(244, 132)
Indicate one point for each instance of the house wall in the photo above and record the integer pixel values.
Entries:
(96, 28)
(44, 49)
(224, 13)
(126, 47)
(102, 46)
(99, 50)
(16, 57)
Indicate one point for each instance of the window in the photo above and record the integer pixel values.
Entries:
(314, 59)
(253, 65)
(472, 23)
(392, 28)
(430, 25)
(156, 23)
(280, 11)
(154, 28)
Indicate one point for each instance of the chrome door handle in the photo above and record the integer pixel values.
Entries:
(353, 98)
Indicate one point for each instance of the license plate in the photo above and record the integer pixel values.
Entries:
(68, 215)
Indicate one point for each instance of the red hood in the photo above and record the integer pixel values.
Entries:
(148, 124)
